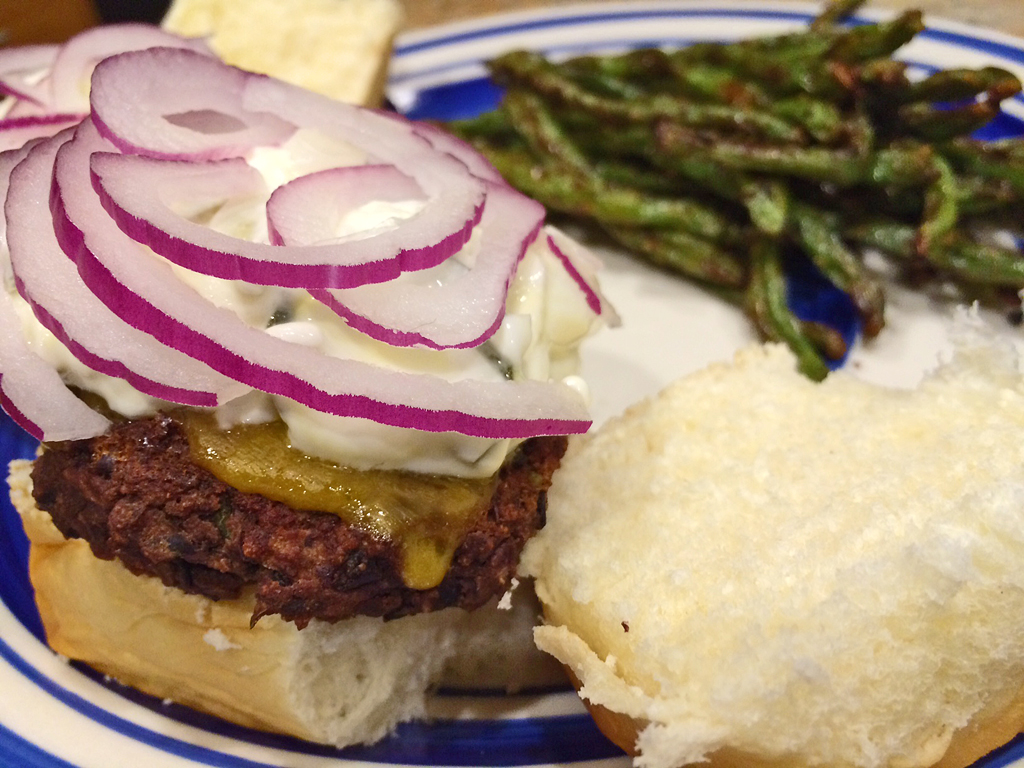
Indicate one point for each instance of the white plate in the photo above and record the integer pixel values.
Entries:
(54, 714)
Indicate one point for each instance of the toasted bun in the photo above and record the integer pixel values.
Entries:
(761, 571)
(341, 684)
(339, 48)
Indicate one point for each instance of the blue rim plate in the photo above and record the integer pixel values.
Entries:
(54, 714)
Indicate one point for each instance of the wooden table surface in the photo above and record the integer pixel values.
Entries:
(1003, 15)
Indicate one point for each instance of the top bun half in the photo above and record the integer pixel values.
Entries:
(762, 570)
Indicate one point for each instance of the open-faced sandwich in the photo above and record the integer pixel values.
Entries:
(301, 372)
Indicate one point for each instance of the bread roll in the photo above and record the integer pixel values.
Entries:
(339, 48)
(496, 652)
(758, 570)
(346, 683)
(341, 684)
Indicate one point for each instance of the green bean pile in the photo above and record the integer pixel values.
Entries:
(727, 161)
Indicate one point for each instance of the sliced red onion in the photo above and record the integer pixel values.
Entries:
(121, 307)
(24, 108)
(76, 59)
(9, 158)
(131, 194)
(20, 65)
(19, 60)
(570, 253)
(438, 314)
(139, 194)
(20, 93)
(145, 293)
(309, 209)
(49, 282)
(385, 137)
(477, 164)
(14, 132)
(32, 392)
(141, 102)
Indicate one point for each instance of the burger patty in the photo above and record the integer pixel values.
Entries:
(134, 494)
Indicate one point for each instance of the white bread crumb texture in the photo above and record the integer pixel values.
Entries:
(830, 571)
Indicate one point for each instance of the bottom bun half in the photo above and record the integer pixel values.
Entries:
(344, 683)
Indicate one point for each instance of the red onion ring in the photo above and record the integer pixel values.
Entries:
(21, 94)
(16, 131)
(91, 267)
(9, 158)
(49, 282)
(568, 251)
(75, 60)
(454, 206)
(17, 60)
(308, 210)
(437, 315)
(144, 292)
(138, 193)
(31, 391)
(477, 164)
(25, 108)
(20, 63)
(141, 113)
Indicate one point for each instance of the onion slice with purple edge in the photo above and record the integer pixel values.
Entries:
(139, 192)
(411, 310)
(27, 108)
(20, 65)
(145, 293)
(477, 164)
(16, 131)
(436, 313)
(9, 158)
(139, 105)
(48, 281)
(31, 391)
(310, 209)
(569, 252)
(76, 59)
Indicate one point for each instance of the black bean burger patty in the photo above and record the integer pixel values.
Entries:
(134, 494)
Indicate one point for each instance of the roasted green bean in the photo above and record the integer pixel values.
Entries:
(730, 162)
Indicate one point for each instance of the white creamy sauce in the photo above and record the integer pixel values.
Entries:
(121, 395)
(546, 318)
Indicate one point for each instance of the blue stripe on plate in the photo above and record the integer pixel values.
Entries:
(505, 743)
(119, 725)
(15, 589)
(1009, 753)
(1010, 51)
(594, 18)
(15, 752)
